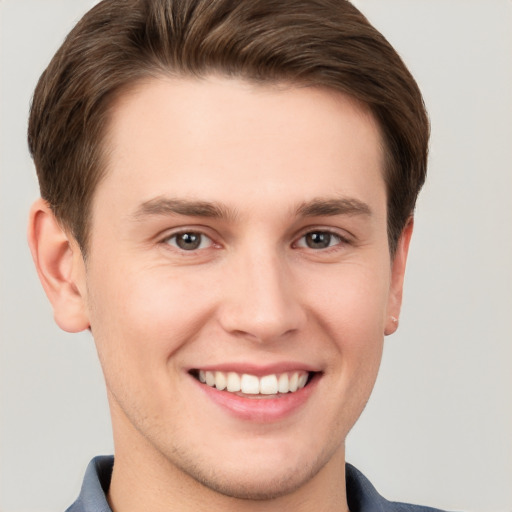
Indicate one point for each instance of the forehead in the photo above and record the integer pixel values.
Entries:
(204, 138)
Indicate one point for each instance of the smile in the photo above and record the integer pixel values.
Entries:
(257, 395)
(247, 384)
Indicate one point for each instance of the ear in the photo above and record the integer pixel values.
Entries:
(60, 267)
(397, 279)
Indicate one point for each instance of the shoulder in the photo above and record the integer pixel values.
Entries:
(363, 497)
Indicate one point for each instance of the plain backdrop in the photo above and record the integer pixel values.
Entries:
(438, 428)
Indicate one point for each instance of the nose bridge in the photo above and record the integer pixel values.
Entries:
(262, 302)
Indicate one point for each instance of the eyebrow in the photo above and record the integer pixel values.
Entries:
(321, 207)
(171, 206)
(318, 207)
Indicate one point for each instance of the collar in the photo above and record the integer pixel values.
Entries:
(361, 495)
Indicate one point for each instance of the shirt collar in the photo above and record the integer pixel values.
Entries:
(93, 495)
(361, 495)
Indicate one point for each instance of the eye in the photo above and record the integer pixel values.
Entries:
(189, 241)
(319, 240)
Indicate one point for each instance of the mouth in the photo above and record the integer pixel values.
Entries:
(274, 385)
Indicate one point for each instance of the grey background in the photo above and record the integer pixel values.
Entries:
(438, 429)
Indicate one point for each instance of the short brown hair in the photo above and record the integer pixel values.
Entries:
(313, 42)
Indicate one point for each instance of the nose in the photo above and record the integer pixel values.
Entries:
(261, 300)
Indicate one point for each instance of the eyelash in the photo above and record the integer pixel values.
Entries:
(340, 240)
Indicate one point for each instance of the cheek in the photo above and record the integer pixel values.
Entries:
(143, 317)
(353, 299)
(351, 311)
(141, 320)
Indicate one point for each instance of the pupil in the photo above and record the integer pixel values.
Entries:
(188, 241)
(318, 240)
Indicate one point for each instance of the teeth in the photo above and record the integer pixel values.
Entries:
(253, 385)
(220, 380)
(268, 385)
(250, 384)
(210, 379)
(233, 381)
(283, 383)
(294, 382)
(303, 378)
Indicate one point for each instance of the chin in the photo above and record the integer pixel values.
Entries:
(258, 478)
(248, 484)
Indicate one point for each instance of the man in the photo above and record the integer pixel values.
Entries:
(227, 200)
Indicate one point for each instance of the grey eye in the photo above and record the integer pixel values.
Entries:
(189, 241)
(319, 240)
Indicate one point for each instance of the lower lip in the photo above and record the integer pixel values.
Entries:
(261, 410)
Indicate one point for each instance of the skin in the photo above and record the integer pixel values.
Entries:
(268, 160)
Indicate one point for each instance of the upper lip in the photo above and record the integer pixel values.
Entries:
(257, 369)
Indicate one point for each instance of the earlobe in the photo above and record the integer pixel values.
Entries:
(397, 279)
(60, 267)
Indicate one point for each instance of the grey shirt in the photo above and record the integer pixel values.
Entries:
(361, 495)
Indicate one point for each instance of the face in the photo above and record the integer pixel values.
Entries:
(238, 282)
